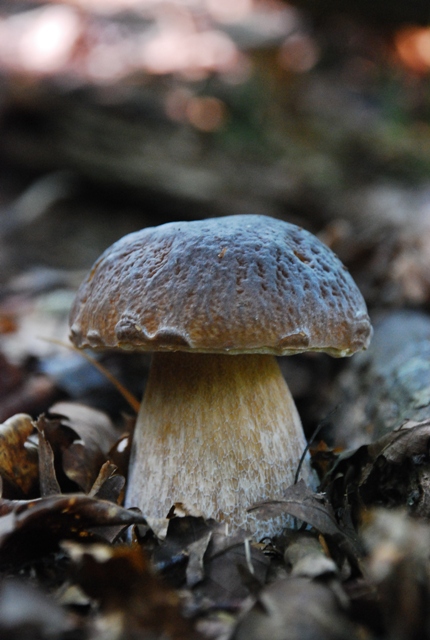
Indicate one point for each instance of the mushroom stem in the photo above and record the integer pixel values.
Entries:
(216, 433)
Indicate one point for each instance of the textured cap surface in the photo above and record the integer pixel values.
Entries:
(239, 284)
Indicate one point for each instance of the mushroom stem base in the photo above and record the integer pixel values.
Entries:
(217, 433)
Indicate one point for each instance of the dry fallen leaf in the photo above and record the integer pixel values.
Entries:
(314, 509)
(47, 476)
(186, 540)
(18, 459)
(126, 589)
(294, 609)
(393, 471)
(95, 435)
(398, 566)
(31, 528)
(108, 485)
(233, 567)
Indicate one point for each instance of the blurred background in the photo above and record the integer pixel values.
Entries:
(119, 114)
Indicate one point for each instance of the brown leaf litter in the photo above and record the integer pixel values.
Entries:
(354, 565)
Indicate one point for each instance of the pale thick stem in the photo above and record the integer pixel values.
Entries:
(217, 433)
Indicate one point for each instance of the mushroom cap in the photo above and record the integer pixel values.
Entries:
(237, 284)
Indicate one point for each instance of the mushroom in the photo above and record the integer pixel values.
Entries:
(215, 301)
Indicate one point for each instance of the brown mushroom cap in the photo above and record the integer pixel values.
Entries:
(238, 284)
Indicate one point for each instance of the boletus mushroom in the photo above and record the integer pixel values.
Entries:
(215, 301)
